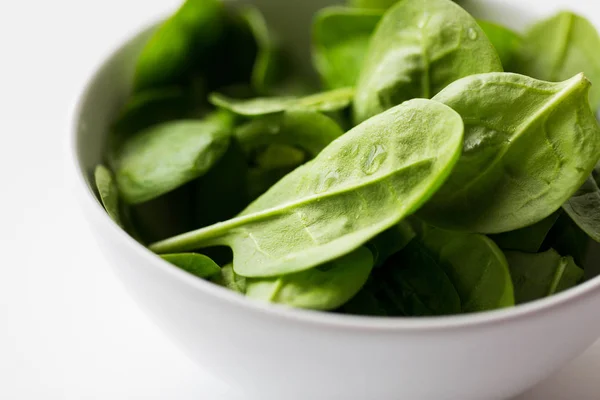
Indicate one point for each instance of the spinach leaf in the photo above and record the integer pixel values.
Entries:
(391, 241)
(569, 240)
(268, 69)
(109, 193)
(475, 265)
(179, 45)
(363, 183)
(152, 107)
(230, 280)
(341, 38)
(222, 192)
(195, 264)
(559, 47)
(307, 130)
(584, 208)
(419, 48)
(529, 145)
(536, 276)
(163, 157)
(322, 288)
(506, 42)
(411, 283)
(529, 239)
(373, 4)
(333, 100)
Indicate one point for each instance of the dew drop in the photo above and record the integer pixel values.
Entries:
(326, 181)
(472, 33)
(354, 150)
(374, 159)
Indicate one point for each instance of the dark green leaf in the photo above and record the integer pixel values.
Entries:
(230, 280)
(536, 276)
(390, 241)
(109, 193)
(529, 239)
(179, 45)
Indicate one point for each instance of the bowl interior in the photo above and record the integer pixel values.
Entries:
(111, 85)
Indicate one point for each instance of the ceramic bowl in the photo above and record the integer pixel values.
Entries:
(271, 352)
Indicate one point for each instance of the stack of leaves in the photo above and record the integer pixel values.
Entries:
(466, 179)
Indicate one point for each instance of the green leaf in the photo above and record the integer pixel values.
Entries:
(179, 45)
(152, 107)
(222, 192)
(373, 4)
(584, 208)
(391, 241)
(419, 48)
(341, 38)
(559, 47)
(569, 240)
(410, 283)
(475, 266)
(163, 157)
(195, 264)
(363, 183)
(505, 41)
(322, 288)
(529, 239)
(109, 193)
(536, 276)
(529, 145)
(269, 62)
(307, 130)
(230, 280)
(333, 100)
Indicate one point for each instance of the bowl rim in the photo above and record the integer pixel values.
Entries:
(90, 203)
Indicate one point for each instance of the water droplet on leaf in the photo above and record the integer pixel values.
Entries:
(326, 181)
(472, 33)
(374, 159)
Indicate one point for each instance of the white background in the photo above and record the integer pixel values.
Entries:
(67, 328)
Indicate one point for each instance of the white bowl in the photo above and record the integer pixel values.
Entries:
(272, 352)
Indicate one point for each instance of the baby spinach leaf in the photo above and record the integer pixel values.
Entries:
(505, 41)
(166, 156)
(363, 183)
(195, 264)
(475, 265)
(529, 145)
(322, 288)
(179, 45)
(569, 240)
(410, 283)
(529, 239)
(419, 48)
(584, 208)
(109, 193)
(222, 192)
(307, 130)
(269, 65)
(391, 241)
(373, 4)
(333, 100)
(560, 47)
(536, 276)
(152, 107)
(341, 38)
(230, 280)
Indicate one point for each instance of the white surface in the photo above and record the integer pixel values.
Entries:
(67, 328)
